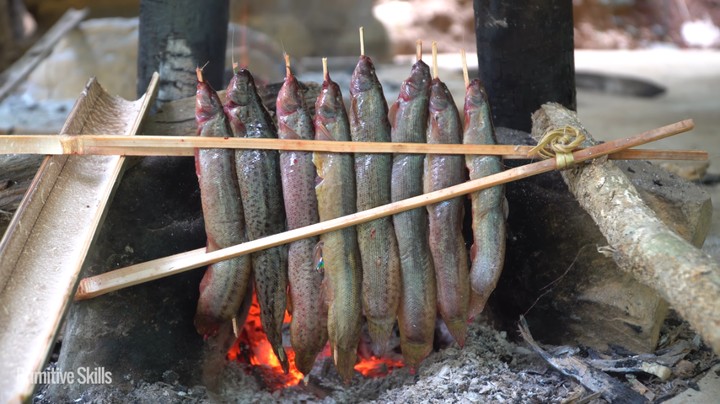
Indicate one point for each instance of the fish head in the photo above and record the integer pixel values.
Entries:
(289, 97)
(329, 102)
(440, 97)
(363, 77)
(475, 94)
(241, 88)
(417, 83)
(476, 103)
(207, 103)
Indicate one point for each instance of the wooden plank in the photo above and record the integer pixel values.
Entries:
(22, 68)
(46, 243)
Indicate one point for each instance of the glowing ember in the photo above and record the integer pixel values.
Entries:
(377, 367)
(253, 347)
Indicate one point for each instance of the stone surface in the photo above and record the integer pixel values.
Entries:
(555, 275)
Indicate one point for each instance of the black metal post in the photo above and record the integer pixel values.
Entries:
(175, 36)
(525, 56)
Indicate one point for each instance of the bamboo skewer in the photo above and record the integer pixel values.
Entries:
(160, 268)
(434, 60)
(466, 75)
(362, 41)
(186, 145)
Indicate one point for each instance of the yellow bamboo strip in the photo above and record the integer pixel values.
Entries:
(186, 145)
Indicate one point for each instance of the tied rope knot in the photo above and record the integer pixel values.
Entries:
(559, 143)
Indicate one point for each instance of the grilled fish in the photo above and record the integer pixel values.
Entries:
(378, 246)
(446, 242)
(224, 284)
(260, 188)
(417, 312)
(488, 206)
(335, 191)
(308, 328)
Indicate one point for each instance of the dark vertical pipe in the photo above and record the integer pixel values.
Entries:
(525, 56)
(175, 36)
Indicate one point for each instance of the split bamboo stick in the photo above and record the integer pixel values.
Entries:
(100, 144)
(160, 268)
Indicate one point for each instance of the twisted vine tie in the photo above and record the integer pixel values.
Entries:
(559, 143)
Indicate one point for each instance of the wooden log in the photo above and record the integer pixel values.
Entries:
(638, 241)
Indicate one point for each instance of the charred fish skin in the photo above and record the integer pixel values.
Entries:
(223, 287)
(417, 311)
(308, 327)
(258, 174)
(488, 206)
(335, 189)
(446, 242)
(378, 246)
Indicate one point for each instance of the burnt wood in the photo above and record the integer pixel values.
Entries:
(525, 56)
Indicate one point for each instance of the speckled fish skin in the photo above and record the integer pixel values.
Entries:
(446, 242)
(418, 297)
(223, 286)
(308, 328)
(378, 246)
(488, 206)
(260, 188)
(335, 191)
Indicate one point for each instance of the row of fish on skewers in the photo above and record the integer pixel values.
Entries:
(404, 268)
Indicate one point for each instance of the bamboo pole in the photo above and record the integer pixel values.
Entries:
(160, 268)
(101, 144)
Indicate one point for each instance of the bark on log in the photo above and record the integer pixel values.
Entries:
(639, 242)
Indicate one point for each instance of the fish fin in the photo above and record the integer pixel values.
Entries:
(288, 132)
(322, 133)
(392, 114)
(318, 262)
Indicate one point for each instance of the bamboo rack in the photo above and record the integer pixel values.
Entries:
(104, 144)
(140, 273)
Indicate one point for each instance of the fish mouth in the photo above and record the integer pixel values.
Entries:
(363, 78)
(417, 83)
(290, 94)
(476, 93)
(207, 103)
(241, 86)
(439, 99)
(329, 100)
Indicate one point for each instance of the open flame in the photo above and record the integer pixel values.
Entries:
(253, 347)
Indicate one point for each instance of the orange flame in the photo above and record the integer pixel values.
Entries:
(378, 367)
(253, 347)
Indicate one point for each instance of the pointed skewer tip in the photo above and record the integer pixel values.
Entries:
(362, 41)
(434, 59)
(288, 73)
(466, 75)
(326, 75)
(418, 50)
